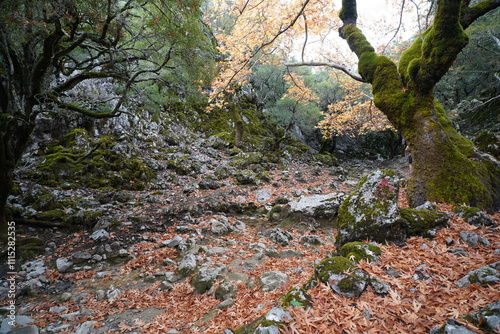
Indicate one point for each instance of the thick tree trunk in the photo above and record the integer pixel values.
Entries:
(446, 166)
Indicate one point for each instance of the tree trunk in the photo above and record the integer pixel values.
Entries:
(446, 166)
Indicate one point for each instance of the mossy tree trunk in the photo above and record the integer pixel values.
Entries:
(447, 166)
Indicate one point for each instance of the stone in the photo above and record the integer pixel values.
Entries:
(280, 237)
(226, 303)
(207, 275)
(86, 327)
(239, 225)
(278, 314)
(226, 290)
(262, 195)
(451, 327)
(172, 242)
(489, 275)
(272, 280)
(220, 228)
(32, 329)
(63, 265)
(487, 318)
(474, 216)
(112, 294)
(21, 320)
(372, 212)
(187, 265)
(100, 235)
(318, 206)
(81, 256)
(311, 240)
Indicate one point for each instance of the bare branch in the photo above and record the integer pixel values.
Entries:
(340, 67)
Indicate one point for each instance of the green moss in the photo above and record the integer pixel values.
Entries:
(488, 142)
(260, 322)
(28, 248)
(296, 297)
(77, 160)
(420, 222)
(332, 265)
(357, 251)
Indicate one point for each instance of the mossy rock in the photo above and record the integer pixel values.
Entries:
(371, 211)
(421, 222)
(77, 160)
(357, 251)
(486, 318)
(28, 248)
(253, 326)
(297, 297)
(330, 266)
(488, 142)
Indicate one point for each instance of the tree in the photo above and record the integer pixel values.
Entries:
(48, 48)
(447, 166)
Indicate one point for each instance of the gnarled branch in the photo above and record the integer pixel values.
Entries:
(340, 67)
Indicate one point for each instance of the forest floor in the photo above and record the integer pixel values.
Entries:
(129, 296)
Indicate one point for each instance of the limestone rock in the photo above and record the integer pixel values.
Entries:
(207, 275)
(272, 280)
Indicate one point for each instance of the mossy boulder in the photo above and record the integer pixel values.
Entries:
(488, 142)
(357, 251)
(297, 297)
(371, 211)
(474, 216)
(487, 318)
(78, 160)
(342, 277)
(422, 221)
(28, 248)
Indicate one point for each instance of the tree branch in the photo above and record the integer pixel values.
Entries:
(470, 14)
(342, 68)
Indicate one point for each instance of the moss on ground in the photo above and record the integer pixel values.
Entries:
(77, 160)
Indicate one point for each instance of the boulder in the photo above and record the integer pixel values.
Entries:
(187, 265)
(207, 275)
(272, 280)
(372, 212)
(487, 318)
(489, 274)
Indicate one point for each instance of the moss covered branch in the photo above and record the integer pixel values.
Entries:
(83, 111)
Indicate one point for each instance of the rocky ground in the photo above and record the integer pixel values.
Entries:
(202, 252)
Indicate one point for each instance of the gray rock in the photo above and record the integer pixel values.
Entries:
(63, 265)
(217, 250)
(280, 237)
(267, 330)
(21, 320)
(272, 280)
(451, 327)
(86, 327)
(487, 318)
(207, 275)
(112, 294)
(239, 225)
(318, 206)
(278, 314)
(220, 227)
(262, 195)
(472, 239)
(187, 265)
(32, 329)
(100, 235)
(311, 240)
(81, 256)
(226, 290)
(349, 285)
(225, 304)
(166, 285)
(474, 216)
(489, 274)
(172, 242)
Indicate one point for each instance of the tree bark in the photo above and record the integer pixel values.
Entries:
(447, 166)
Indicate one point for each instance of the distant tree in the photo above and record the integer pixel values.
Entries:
(48, 48)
